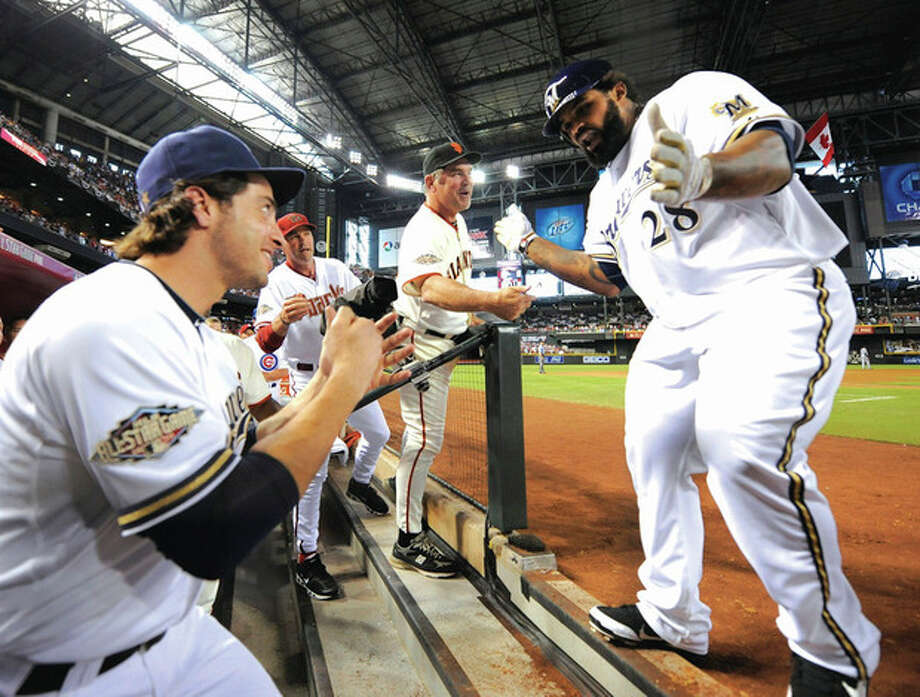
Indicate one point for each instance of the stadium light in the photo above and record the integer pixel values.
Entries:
(394, 181)
(513, 171)
(333, 142)
(478, 176)
(372, 170)
(354, 157)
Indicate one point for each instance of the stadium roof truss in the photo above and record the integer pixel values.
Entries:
(349, 86)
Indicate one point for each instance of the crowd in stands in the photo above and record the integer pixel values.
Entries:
(541, 319)
(10, 205)
(97, 178)
(899, 308)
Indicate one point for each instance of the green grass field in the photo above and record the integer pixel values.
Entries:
(882, 404)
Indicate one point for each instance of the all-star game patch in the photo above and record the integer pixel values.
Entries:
(147, 433)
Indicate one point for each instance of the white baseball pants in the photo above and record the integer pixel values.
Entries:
(424, 414)
(375, 433)
(197, 656)
(740, 396)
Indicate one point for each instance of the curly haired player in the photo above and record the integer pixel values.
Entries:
(738, 369)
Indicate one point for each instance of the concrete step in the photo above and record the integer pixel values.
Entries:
(455, 637)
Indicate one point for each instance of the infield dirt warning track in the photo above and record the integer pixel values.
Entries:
(581, 503)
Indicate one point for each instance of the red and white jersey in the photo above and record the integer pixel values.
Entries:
(684, 262)
(303, 342)
(431, 246)
(120, 408)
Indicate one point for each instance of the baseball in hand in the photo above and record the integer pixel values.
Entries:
(680, 175)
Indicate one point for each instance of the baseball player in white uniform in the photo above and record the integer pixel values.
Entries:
(127, 471)
(288, 319)
(435, 262)
(738, 369)
(864, 358)
(541, 357)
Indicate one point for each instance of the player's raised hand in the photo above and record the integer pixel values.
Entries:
(396, 348)
(294, 308)
(514, 231)
(511, 302)
(681, 176)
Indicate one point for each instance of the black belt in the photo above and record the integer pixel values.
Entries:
(306, 367)
(427, 332)
(49, 677)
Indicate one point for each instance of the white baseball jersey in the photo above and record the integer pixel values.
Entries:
(431, 246)
(303, 342)
(120, 409)
(685, 262)
(255, 387)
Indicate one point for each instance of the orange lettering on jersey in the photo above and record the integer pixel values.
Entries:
(464, 261)
(316, 305)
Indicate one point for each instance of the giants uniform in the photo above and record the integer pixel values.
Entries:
(300, 351)
(114, 421)
(430, 246)
(735, 376)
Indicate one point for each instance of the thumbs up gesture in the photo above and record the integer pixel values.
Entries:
(680, 175)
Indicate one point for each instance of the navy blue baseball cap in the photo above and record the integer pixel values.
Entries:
(570, 82)
(202, 152)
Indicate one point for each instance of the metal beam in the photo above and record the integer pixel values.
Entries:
(72, 115)
(549, 32)
(424, 80)
(738, 35)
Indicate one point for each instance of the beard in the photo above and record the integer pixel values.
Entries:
(613, 135)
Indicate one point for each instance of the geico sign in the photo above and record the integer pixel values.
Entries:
(595, 359)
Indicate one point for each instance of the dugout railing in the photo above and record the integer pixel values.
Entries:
(482, 460)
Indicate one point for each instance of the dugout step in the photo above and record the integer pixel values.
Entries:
(451, 632)
(558, 608)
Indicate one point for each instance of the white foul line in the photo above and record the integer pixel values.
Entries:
(864, 399)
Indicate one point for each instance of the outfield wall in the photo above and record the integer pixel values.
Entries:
(887, 344)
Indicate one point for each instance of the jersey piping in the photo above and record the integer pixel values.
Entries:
(147, 512)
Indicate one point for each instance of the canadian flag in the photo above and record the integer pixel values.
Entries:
(819, 138)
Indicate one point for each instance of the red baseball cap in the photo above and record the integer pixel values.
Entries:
(244, 328)
(291, 221)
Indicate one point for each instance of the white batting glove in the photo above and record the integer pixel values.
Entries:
(514, 231)
(681, 176)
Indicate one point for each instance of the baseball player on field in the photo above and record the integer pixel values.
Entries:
(434, 266)
(288, 319)
(132, 468)
(864, 358)
(737, 371)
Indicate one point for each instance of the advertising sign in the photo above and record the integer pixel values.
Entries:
(480, 232)
(901, 191)
(564, 225)
(388, 246)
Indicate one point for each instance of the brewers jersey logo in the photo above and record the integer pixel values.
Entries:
(734, 108)
(147, 433)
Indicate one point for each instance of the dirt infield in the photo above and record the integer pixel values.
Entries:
(581, 502)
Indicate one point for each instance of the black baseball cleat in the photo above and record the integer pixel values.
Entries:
(624, 625)
(423, 556)
(311, 574)
(366, 494)
(811, 680)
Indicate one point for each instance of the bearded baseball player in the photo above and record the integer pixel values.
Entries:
(435, 262)
(288, 319)
(737, 371)
(131, 466)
